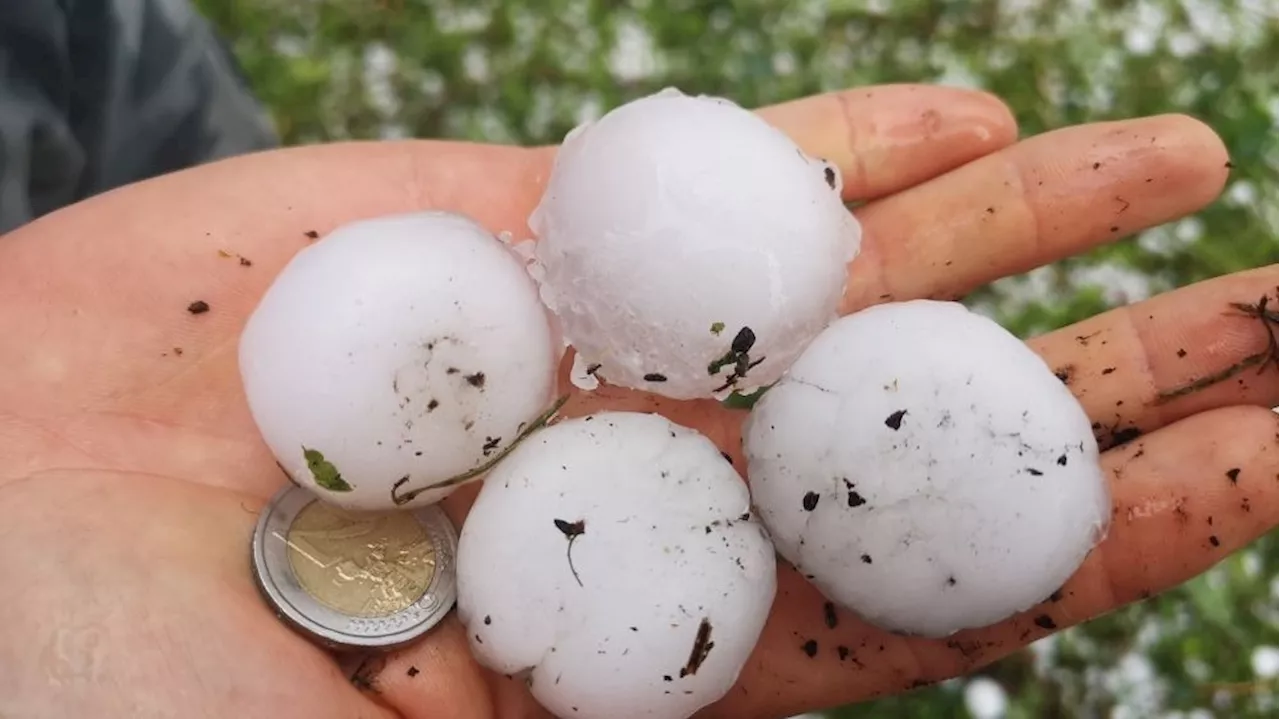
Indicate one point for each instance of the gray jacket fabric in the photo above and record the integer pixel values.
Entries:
(95, 94)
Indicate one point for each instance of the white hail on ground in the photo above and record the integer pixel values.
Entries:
(397, 353)
(926, 469)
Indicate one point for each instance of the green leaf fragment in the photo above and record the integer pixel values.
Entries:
(737, 400)
(717, 328)
(326, 475)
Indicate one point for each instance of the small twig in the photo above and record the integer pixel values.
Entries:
(533, 426)
(1269, 319)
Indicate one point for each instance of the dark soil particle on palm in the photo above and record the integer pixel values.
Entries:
(413, 672)
(312, 235)
(830, 175)
(829, 616)
(727, 458)
(810, 501)
(1180, 511)
(198, 307)
(968, 650)
(810, 648)
(1056, 596)
(1062, 460)
(1181, 353)
(1083, 340)
(488, 620)
(655, 377)
(476, 380)
(1122, 436)
(1034, 472)
(866, 559)
(1233, 474)
(431, 405)
(1064, 373)
(1114, 436)
(1044, 621)
(1213, 539)
(894, 421)
(366, 674)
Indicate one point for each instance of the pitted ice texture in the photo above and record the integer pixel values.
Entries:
(397, 353)
(614, 561)
(926, 469)
(689, 248)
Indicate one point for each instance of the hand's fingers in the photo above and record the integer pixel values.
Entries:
(1185, 497)
(1146, 365)
(885, 138)
(438, 678)
(889, 137)
(1046, 198)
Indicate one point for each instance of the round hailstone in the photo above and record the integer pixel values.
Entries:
(689, 248)
(398, 354)
(614, 559)
(927, 470)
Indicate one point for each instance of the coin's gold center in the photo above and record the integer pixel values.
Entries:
(363, 564)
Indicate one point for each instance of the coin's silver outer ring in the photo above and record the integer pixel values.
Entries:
(274, 576)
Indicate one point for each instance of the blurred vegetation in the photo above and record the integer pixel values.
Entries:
(526, 71)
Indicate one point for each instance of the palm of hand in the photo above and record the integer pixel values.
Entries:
(139, 472)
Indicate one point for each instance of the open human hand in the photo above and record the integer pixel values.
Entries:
(135, 471)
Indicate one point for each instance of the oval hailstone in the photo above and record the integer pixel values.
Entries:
(926, 469)
(689, 248)
(615, 559)
(397, 353)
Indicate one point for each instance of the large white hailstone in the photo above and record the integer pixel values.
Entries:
(614, 561)
(689, 248)
(925, 469)
(396, 354)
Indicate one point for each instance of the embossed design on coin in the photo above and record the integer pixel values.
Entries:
(354, 579)
(358, 564)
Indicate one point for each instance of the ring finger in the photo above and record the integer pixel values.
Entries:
(1143, 366)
